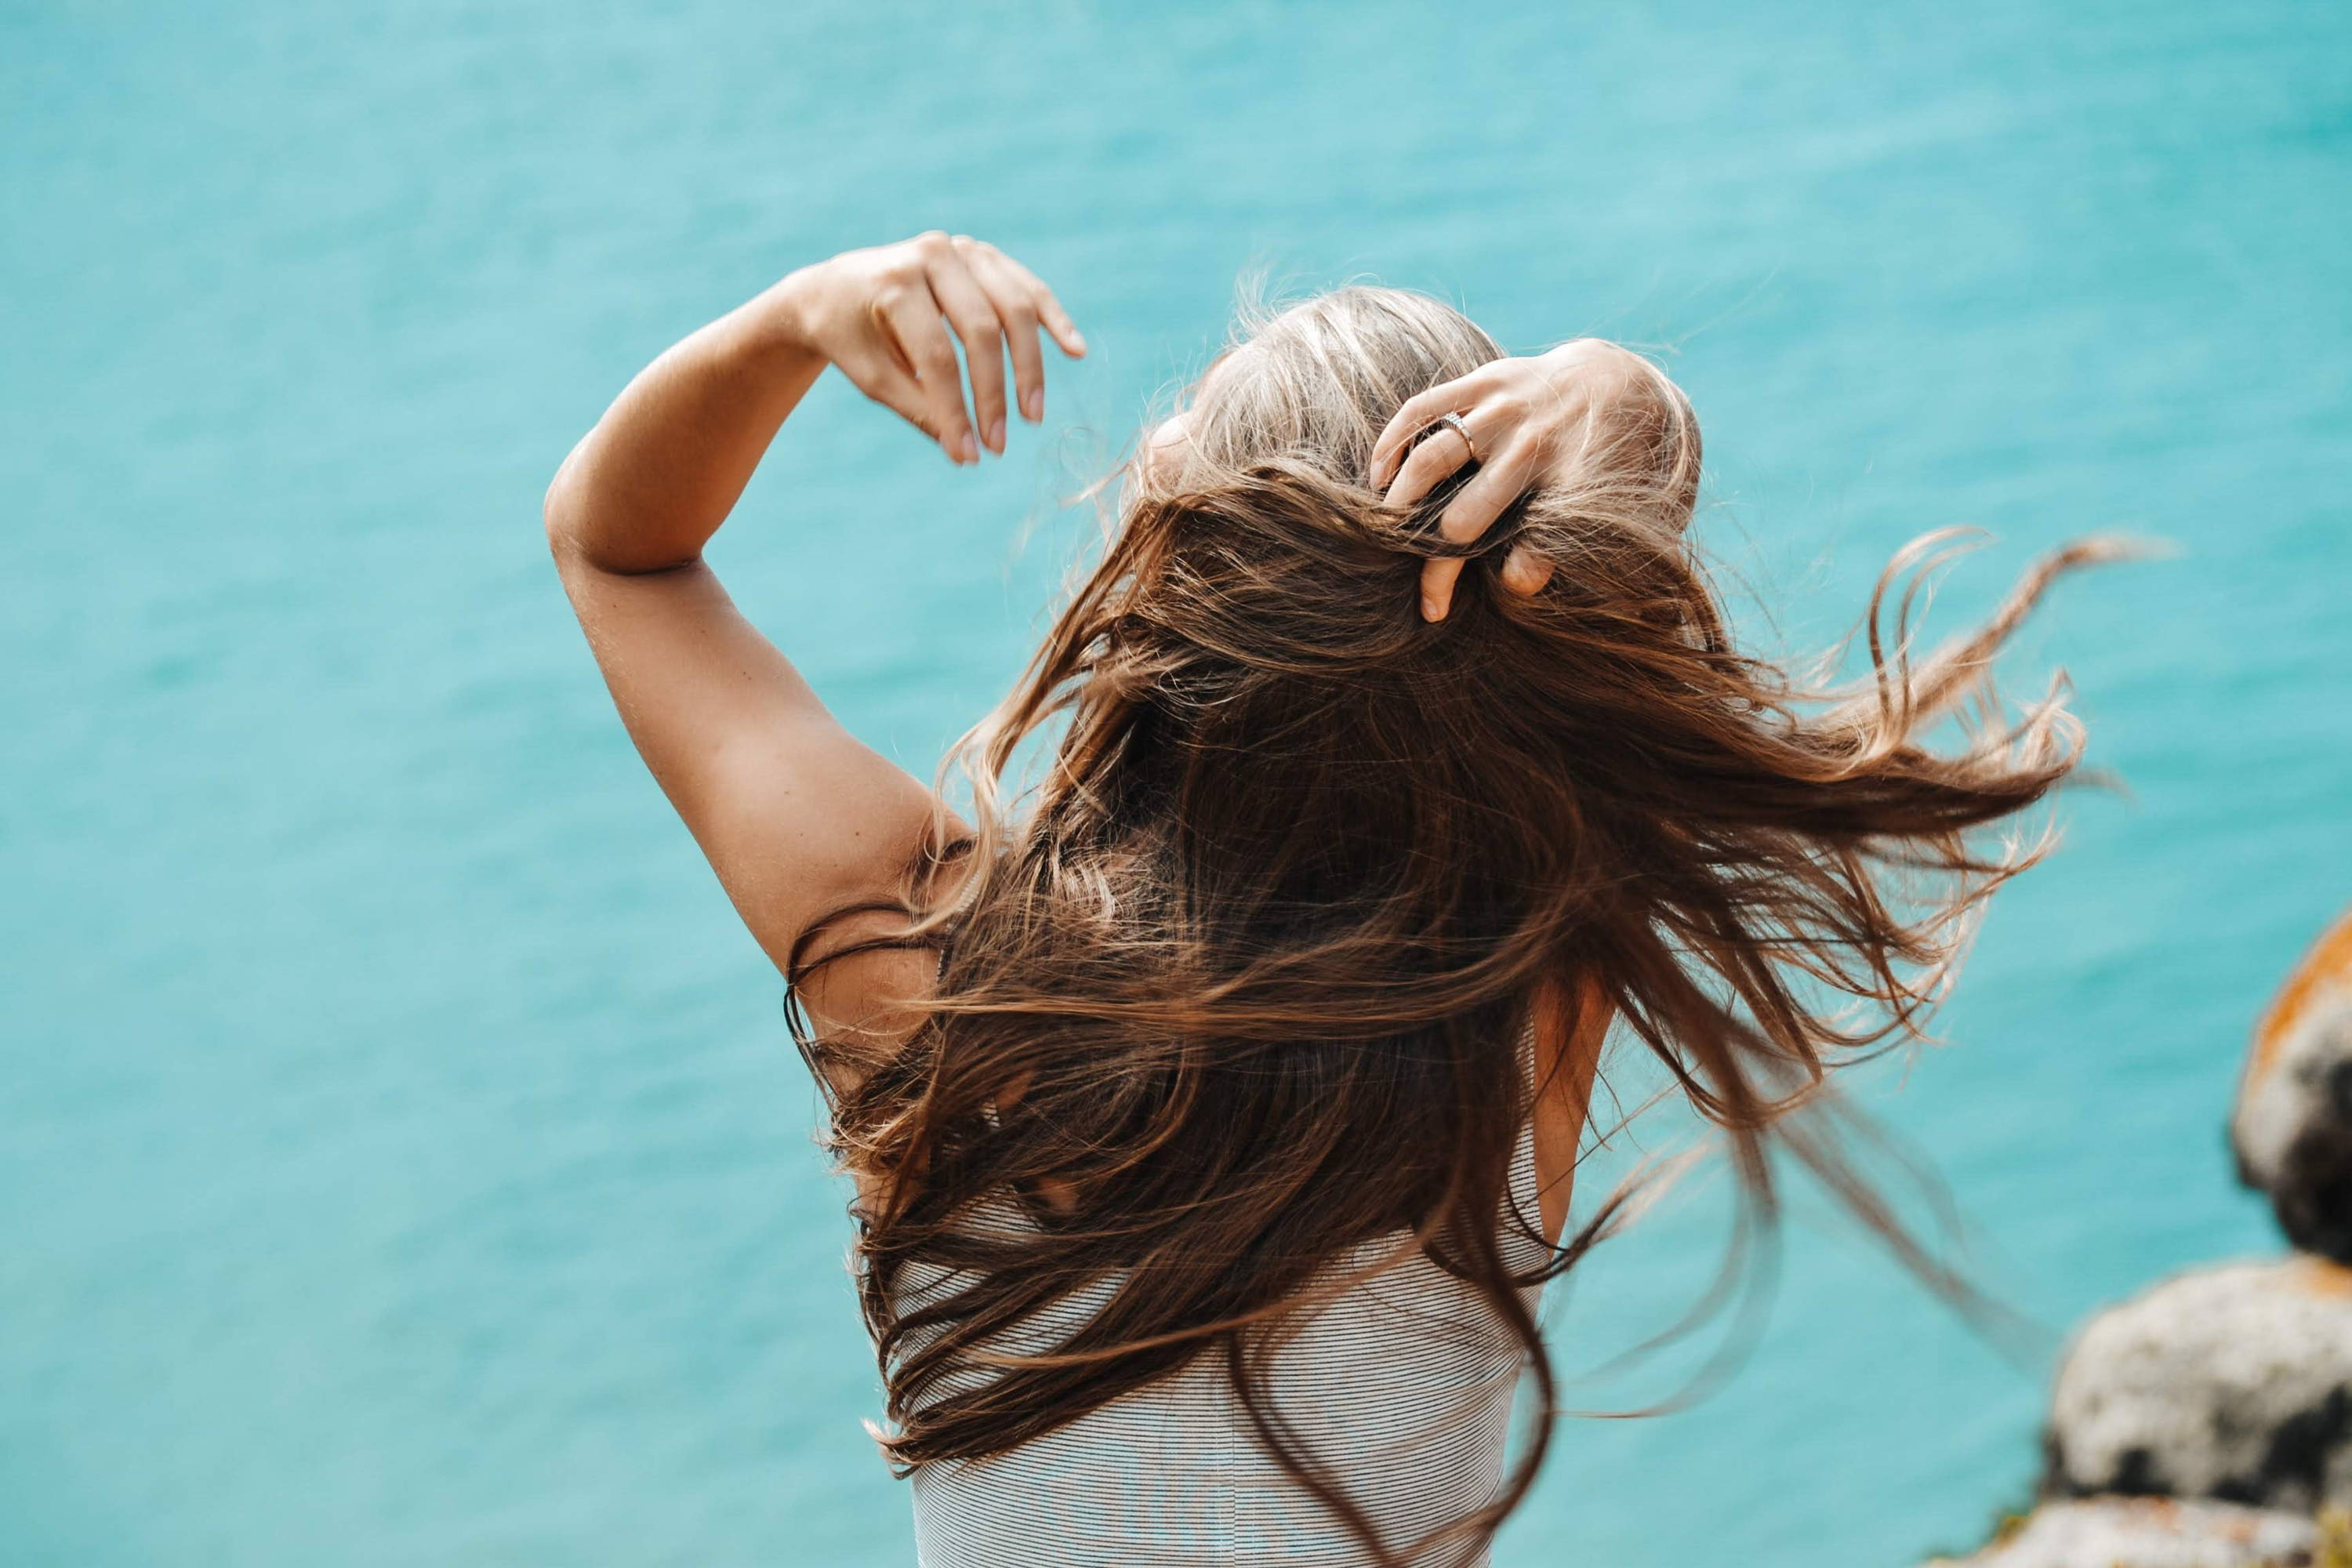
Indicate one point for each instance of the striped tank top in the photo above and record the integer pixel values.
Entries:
(1401, 1386)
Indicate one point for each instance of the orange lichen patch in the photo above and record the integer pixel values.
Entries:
(2323, 1277)
(2329, 959)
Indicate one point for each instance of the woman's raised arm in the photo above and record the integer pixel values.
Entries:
(797, 816)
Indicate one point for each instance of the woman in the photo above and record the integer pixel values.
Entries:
(1214, 1110)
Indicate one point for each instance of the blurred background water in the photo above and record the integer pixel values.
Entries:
(401, 1156)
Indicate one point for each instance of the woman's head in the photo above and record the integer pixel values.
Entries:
(1313, 383)
(1247, 975)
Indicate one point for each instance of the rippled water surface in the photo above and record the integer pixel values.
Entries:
(401, 1159)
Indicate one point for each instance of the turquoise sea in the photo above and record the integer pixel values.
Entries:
(402, 1158)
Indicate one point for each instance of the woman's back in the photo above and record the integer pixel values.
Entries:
(1402, 1384)
(1396, 716)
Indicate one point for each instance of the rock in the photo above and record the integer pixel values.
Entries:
(2292, 1127)
(2233, 1382)
(2150, 1532)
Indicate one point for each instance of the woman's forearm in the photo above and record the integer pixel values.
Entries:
(652, 482)
(646, 488)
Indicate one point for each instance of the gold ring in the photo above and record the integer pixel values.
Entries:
(1453, 422)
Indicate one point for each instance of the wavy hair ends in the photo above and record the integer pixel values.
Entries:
(1244, 981)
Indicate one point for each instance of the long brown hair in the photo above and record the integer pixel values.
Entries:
(1242, 979)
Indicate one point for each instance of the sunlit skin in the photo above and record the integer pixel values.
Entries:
(797, 818)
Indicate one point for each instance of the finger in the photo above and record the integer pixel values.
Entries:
(1437, 580)
(1496, 486)
(1427, 465)
(889, 383)
(1416, 415)
(1018, 311)
(1063, 331)
(970, 311)
(1525, 570)
(912, 316)
(1498, 482)
(1419, 412)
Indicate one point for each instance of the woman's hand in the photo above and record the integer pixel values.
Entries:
(1525, 421)
(884, 315)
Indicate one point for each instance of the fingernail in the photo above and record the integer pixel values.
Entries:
(1033, 403)
(996, 437)
(1428, 610)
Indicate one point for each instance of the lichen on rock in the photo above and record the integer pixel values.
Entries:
(2233, 1382)
(2291, 1128)
(2151, 1532)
